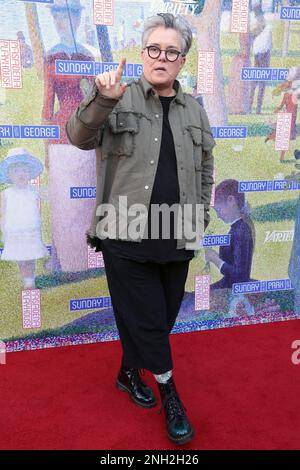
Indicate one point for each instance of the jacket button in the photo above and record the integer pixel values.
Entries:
(121, 123)
(151, 161)
(157, 115)
(146, 187)
(156, 139)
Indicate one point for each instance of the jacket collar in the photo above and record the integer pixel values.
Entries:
(147, 87)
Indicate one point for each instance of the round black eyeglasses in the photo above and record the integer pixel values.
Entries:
(171, 54)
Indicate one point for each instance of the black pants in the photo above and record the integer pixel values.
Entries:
(146, 299)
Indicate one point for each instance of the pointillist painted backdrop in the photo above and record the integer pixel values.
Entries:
(243, 67)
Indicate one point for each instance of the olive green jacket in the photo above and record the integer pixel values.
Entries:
(126, 134)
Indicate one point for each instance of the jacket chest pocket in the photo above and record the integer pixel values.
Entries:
(119, 140)
(195, 134)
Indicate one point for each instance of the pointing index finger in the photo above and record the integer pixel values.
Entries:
(120, 68)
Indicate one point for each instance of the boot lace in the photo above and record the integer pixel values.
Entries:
(173, 406)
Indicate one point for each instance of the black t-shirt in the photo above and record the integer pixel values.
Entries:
(165, 190)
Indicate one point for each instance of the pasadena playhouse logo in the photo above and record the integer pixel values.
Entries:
(118, 220)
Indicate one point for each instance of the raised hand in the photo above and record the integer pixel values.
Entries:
(108, 83)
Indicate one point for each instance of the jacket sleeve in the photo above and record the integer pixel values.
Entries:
(208, 143)
(85, 125)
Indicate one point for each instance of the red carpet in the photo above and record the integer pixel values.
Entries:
(239, 386)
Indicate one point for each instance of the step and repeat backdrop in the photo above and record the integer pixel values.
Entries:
(243, 68)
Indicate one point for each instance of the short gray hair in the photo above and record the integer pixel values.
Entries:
(168, 20)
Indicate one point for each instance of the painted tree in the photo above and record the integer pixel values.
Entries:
(207, 25)
(239, 90)
(35, 38)
(286, 34)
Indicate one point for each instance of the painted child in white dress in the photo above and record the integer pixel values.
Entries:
(20, 213)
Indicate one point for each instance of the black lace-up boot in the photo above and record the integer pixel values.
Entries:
(129, 380)
(178, 427)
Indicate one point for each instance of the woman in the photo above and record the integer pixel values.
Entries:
(68, 167)
(291, 89)
(153, 146)
(234, 261)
